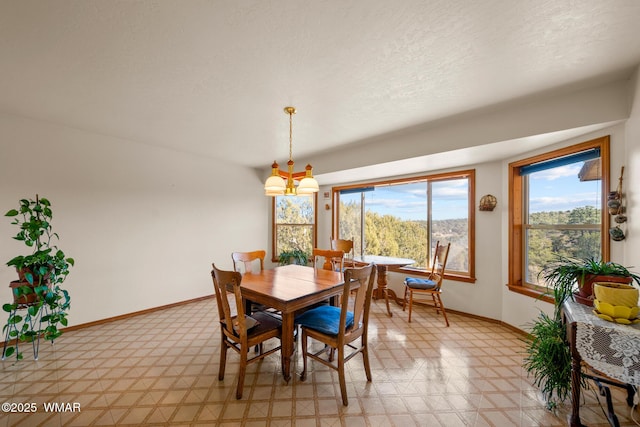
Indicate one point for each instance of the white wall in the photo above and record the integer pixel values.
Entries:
(143, 223)
(632, 177)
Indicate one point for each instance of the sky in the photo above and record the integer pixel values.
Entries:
(559, 189)
(556, 189)
(408, 201)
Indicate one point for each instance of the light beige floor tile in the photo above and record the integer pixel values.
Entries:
(161, 368)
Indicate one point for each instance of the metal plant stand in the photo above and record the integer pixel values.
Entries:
(13, 332)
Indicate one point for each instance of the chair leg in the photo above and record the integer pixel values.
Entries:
(223, 359)
(341, 378)
(365, 358)
(444, 313)
(410, 303)
(241, 373)
(303, 375)
(436, 304)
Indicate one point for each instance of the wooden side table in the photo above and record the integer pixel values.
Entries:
(382, 266)
(610, 349)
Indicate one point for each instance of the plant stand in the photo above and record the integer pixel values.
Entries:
(605, 365)
(12, 331)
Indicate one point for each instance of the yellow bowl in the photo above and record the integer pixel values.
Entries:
(616, 294)
(616, 311)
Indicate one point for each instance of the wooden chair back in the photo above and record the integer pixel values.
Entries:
(328, 259)
(345, 246)
(358, 282)
(248, 262)
(223, 282)
(440, 256)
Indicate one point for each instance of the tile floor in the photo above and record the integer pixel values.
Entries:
(161, 369)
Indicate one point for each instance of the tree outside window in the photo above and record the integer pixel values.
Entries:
(557, 208)
(294, 224)
(405, 218)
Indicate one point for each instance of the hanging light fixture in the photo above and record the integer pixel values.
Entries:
(283, 183)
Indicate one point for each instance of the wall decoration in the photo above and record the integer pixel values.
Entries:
(615, 205)
(488, 202)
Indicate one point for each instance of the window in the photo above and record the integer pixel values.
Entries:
(556, 207)
(294, 224)
(405, 218)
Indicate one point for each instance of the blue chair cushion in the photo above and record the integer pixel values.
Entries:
(325, 319)
(415, 283)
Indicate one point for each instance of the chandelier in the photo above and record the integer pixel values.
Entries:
(283, 183)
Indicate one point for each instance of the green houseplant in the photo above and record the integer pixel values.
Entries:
(293, 256)
(39, 304)
(548, 356)
(578, 275)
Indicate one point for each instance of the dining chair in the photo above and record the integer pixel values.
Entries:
(345, 246)
(241, 332)
(431, 286)
(248, 262)
(339, 327)
(328, 259)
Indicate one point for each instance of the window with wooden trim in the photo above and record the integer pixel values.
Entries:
(294, 224)
(406, 217)
(557, 206)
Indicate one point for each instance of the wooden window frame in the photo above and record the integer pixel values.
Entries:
(274, 228)
(516, 282)
(469, 174)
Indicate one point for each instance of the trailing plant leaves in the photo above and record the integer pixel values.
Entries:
(46, 267)
(9, 351)
(549, 359)
(15, 319)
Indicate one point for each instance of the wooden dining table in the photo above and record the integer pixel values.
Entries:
(382, 266)
(288, 289)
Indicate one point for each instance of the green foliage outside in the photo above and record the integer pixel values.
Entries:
(294, 224)
(389, 235)
(546, 245)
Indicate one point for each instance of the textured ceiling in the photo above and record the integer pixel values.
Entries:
(212, 77)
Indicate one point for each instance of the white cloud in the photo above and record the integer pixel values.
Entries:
(559, 172)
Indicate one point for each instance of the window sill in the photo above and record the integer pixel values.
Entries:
(531, 292)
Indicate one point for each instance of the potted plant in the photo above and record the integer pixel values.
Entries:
(40, 274)
(293, 256)
(580, 274)
(548, 356)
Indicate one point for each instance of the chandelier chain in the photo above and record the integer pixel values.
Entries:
(290, 135)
